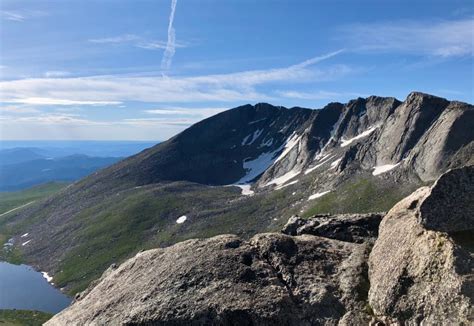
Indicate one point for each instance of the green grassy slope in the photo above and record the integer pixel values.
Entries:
(118, 227)
(360, 196)
(23, 317)
(11, 200)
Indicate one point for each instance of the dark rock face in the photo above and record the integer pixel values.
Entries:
(273, 279)
(450, 205)
(421, 275)
(356, 228)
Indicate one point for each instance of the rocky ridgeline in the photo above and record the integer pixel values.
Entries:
(323, 271)
(370, 151)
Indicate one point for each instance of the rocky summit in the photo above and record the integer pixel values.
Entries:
(415, 268)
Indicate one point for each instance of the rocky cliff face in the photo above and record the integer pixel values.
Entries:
(319, 273)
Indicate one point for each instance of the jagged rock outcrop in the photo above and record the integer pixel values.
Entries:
(273, 279)
(418, 273)
(356, 228)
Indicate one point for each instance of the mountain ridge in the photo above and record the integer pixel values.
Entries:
(344, 158)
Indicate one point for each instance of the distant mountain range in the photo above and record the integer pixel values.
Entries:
(35, 171)
(27, 163)
(95, 148)
(244, 171)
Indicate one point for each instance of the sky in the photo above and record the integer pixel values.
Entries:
(146, 70)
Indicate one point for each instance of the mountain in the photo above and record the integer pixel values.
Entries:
(31, 170)
(244, 171)
(415, 269)
(19, 155)
(62, 148)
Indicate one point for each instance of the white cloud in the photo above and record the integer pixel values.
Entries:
(19, 109)
(102, 90)
(137, 41)
(57, 73)
(198, 112)
(21, 15)
(56, 101)
(12, 15)
(317, 95)
(117, 39)
(158, 122)
(170, 45)
(54, 119)
(442, 38)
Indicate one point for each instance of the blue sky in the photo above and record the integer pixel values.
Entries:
(145, 70)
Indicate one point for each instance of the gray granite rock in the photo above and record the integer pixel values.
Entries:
(273, 279)
(422, 276)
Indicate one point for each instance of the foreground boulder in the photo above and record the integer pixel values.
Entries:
(273, 279)
(419, 274)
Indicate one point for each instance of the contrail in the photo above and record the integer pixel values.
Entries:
(171, 43)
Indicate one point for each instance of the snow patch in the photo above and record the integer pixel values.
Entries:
(384, 168)
(319, 194)
(335, 163)
(181, 219)
(347, 142)
(284, 178)
(257, 166)
(286, 184)
(246, 191)
(309, 170)
(47, 277)
(321, 155)
(267, 143)
(254, 136)
(244, 141)
(255, 121)
(290, 143)
(24, 235)
(25, 243)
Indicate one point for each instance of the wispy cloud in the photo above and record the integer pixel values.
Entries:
(102, 90)
(21, 15)
(443, 38)
(57, 73)
(137, 41)
(156, 122)
(116, 39)
(318, 95)
(12, 15)
(171, 43)
(17, 109)
(57, 101)
(181, 111)
(53, 119)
